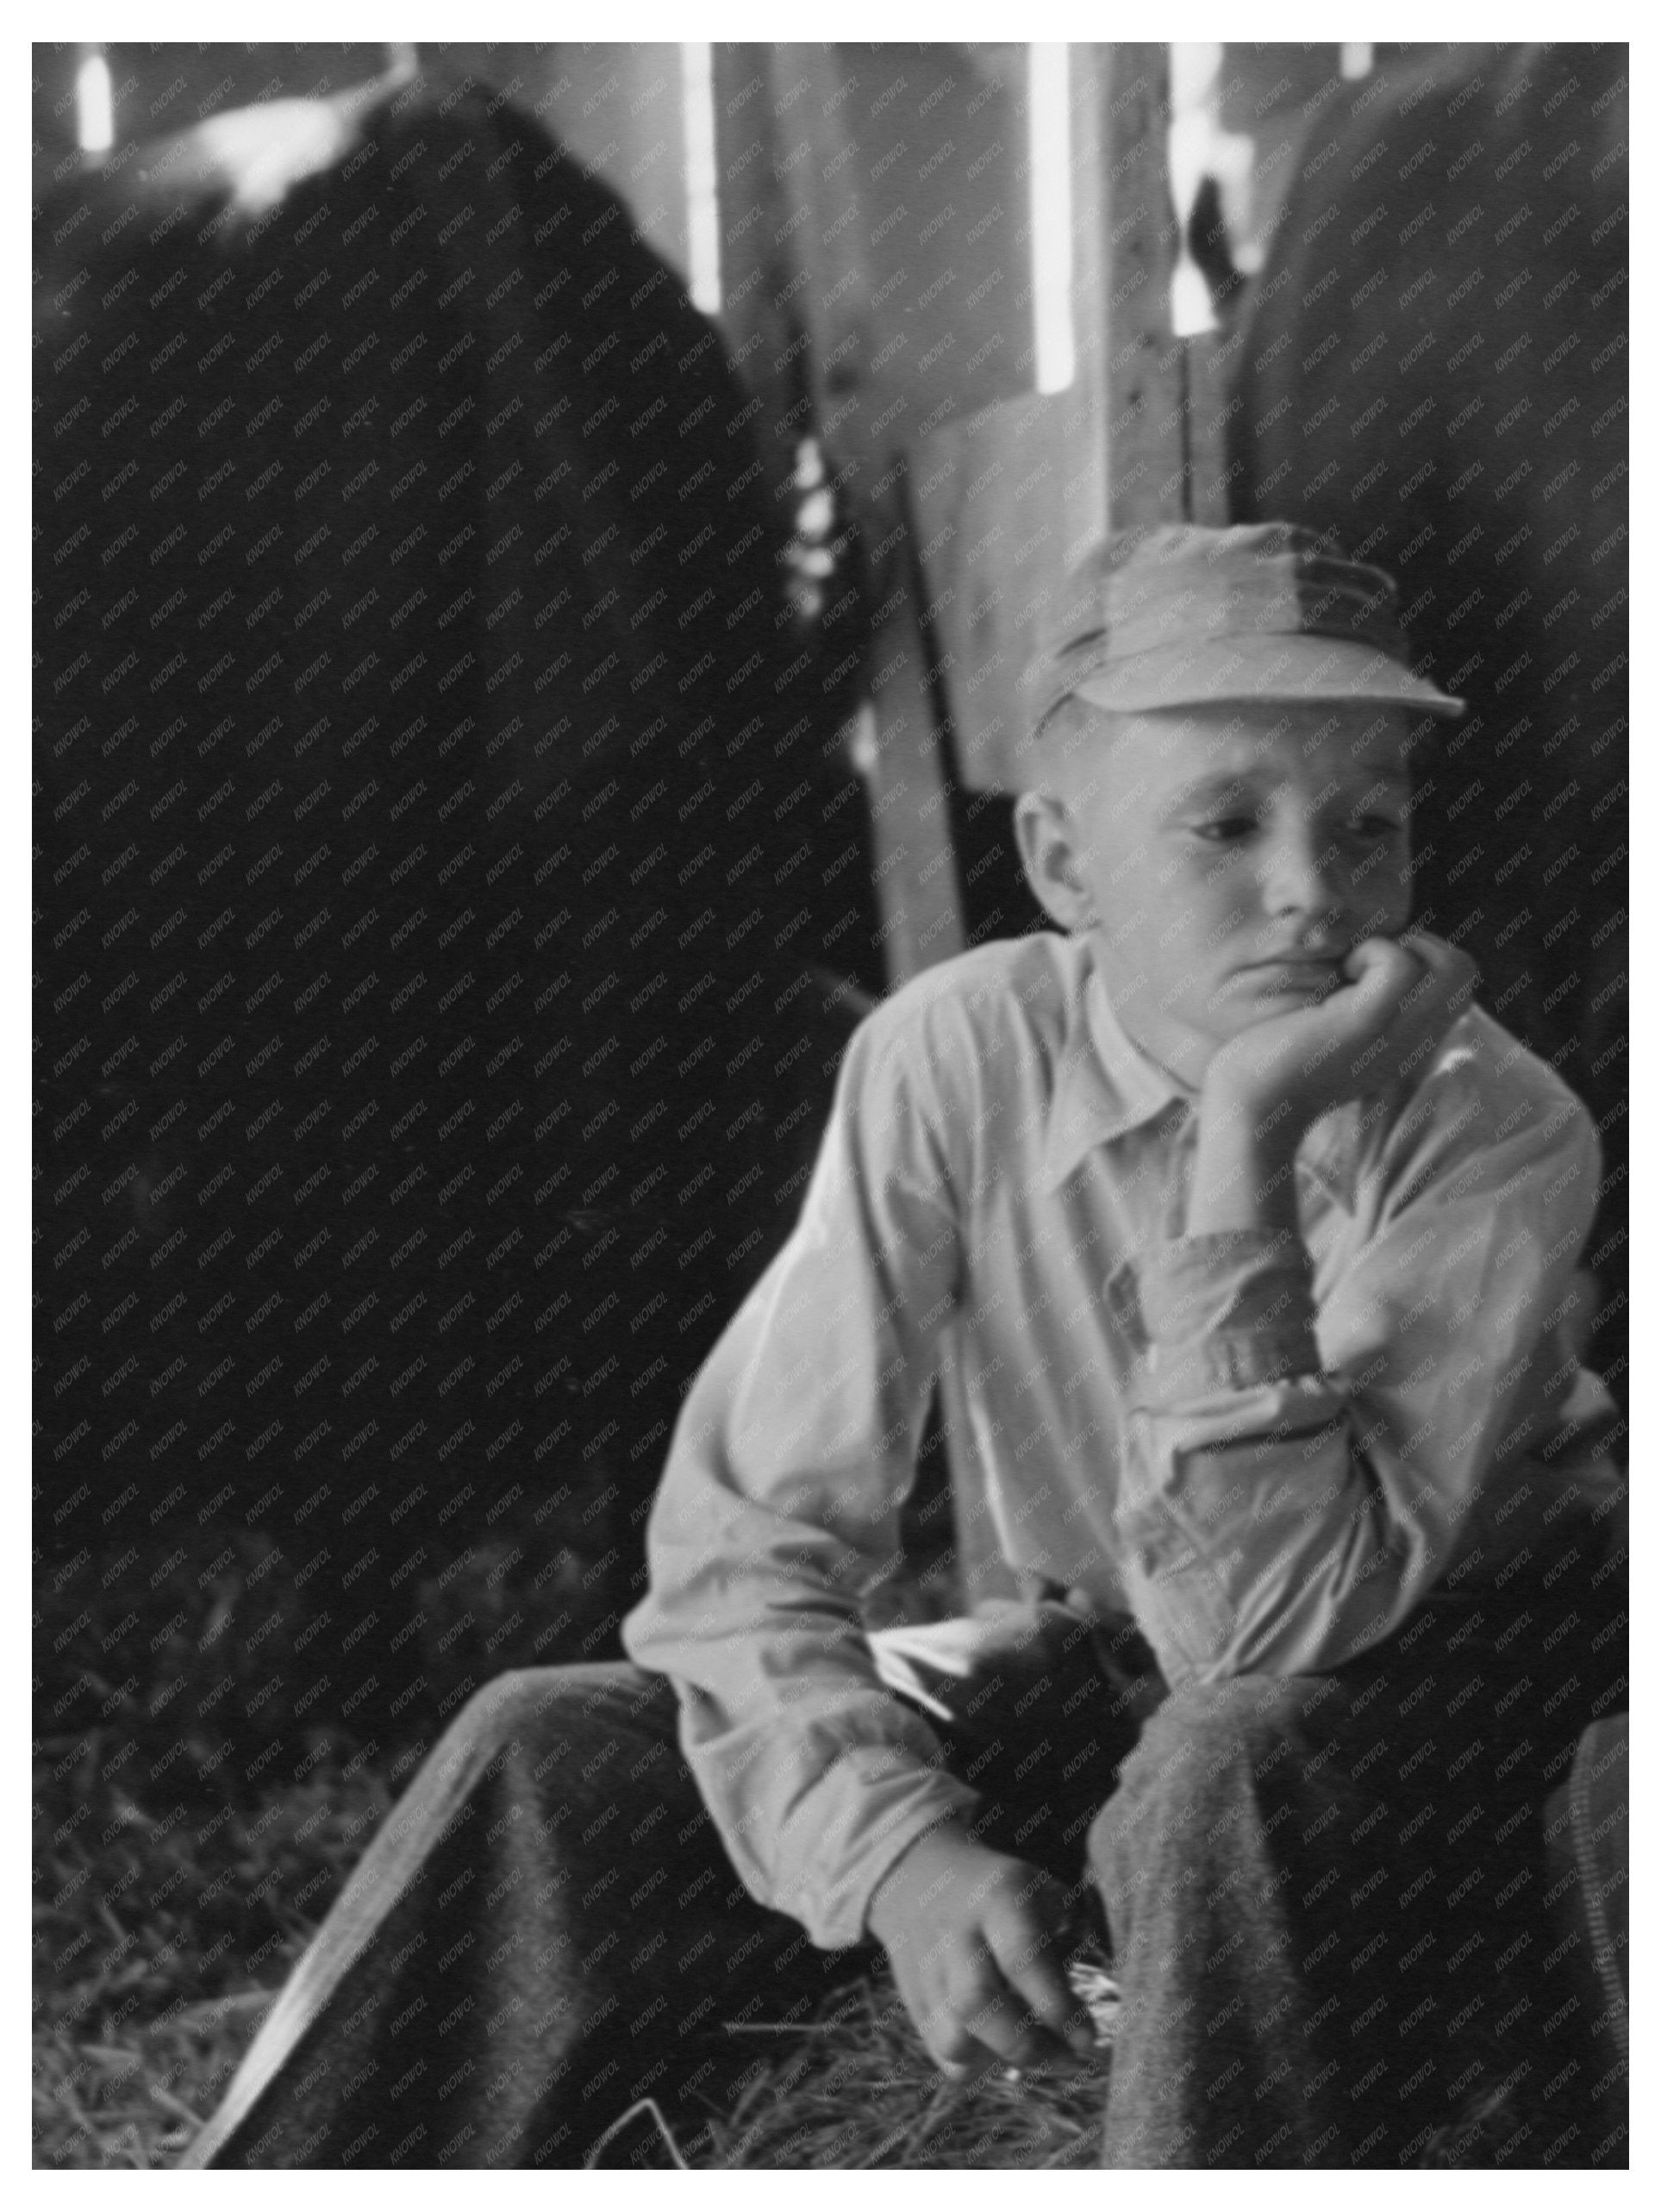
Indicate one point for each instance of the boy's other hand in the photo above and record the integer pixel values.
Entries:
(978, 1943)
(1379, 1027)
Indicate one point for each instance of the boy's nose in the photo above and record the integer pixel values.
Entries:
(1301, 878)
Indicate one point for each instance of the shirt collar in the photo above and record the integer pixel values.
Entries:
(1105, 1085)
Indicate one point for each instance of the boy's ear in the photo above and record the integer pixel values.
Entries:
(1047, 841)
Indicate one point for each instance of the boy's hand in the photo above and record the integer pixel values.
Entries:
(978, 1943)
(1381, 1025)
(1265, 1087)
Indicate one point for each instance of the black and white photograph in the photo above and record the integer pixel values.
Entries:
(830, 1100)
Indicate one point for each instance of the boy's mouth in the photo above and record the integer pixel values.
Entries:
(1295, 973)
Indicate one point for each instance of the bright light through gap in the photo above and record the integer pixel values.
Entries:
(1050, 169)
(1355, 57)
(703, 211)
(1192, 147)
(94, 119)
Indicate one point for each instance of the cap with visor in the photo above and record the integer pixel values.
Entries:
(1180, 616)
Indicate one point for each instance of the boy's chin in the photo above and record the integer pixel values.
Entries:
(1206, 1037)
(1184, 1042)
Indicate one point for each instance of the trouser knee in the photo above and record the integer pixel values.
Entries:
(579, 1754)
(1210, 1754)
(550, 1711)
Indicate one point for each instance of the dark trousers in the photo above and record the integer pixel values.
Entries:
(1326, 1895)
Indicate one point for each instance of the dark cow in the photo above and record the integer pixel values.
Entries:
(434, 830)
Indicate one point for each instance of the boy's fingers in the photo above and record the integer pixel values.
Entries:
(956, 2041)
(978, 2035)
(1004, 2025)
(1376, 962)
(949, 2040)
(1458, 972)
(1418, 986)
(1442, 993)
(1032, 1962)
(1463, 977)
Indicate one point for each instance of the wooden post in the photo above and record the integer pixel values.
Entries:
(1144, 362)
(911, 830)
(806, 313)
(1210, 474)
(1165, 394)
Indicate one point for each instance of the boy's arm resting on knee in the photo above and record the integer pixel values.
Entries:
(779, 1510)
(1312, 1449)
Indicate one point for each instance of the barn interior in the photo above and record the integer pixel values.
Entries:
(533, 550)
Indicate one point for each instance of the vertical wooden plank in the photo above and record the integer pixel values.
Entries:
(1210, 474)
(1007, 500)
(1146, 383)
(817, 154)
(914, 866)
(1087, 515)
(759, 279)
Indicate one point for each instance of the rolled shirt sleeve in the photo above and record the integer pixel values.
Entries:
(779, 1510)
(1298, 1480)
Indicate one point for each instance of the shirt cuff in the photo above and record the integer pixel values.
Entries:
(1224, 1311)
(863, 1818)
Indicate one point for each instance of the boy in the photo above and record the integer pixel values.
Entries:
(1249, 1239)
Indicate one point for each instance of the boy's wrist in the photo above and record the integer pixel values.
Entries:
(931, 1856)
(1233, 1107)
(1243, 1170)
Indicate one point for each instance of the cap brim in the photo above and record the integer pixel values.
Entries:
(1283, 669)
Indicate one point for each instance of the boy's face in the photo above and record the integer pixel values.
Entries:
(1224, 859)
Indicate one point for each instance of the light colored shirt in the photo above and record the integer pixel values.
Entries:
(1268, 1460)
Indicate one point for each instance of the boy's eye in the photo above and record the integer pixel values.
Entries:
(1223, 829)
(1375, 827)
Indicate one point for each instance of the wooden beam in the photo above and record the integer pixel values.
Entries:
(1146, 389)
(828, 341)
(1211, 360)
